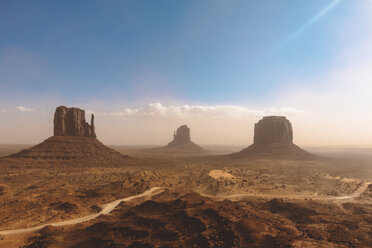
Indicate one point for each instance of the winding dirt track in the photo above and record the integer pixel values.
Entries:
(356, 193)
(233, 197)
(106, 209)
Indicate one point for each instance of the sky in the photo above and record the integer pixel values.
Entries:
(146, 67)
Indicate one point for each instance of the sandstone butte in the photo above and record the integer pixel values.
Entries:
(73, 140)
(182, 141)
(273, 138)
(71, 122)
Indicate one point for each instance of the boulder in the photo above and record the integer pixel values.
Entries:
(71, 122)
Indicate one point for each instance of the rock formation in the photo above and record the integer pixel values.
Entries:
(182, 141)
(71, 122)
(273, 137)
(273, 130)
(182, 135)
(180, 144)
(74, 139)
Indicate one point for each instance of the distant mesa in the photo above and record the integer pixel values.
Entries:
(273, 137)
(182, 141)
(74, 139)
(181, 137)
(181, 144)
(273, 130)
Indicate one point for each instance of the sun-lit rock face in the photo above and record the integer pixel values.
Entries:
(71, 122)
(273, 130)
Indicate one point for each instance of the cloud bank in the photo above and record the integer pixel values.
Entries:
(159, 110)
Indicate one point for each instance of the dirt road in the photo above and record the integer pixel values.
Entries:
(239, 196)
(106, 209)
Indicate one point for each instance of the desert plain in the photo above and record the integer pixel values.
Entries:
(190, 200)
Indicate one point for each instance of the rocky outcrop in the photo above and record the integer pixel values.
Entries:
(273, 138)
(71, 122)
(273, 130)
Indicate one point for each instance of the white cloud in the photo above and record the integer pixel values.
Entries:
(24, 109)
(202, 111)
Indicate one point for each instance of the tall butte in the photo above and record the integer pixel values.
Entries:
(273, 138)
(74, 139)
(71, 122)
(182, 141)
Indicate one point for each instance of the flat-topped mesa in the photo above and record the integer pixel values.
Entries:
(273, 130)
(273, 138)
(71, 122)
(182, 135)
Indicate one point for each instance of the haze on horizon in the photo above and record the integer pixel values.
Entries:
(146, 67)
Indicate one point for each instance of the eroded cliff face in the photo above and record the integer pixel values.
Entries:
(71, 122)
(273, 130)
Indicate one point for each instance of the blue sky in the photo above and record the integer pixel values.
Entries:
(177, 61)
(201, 51)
